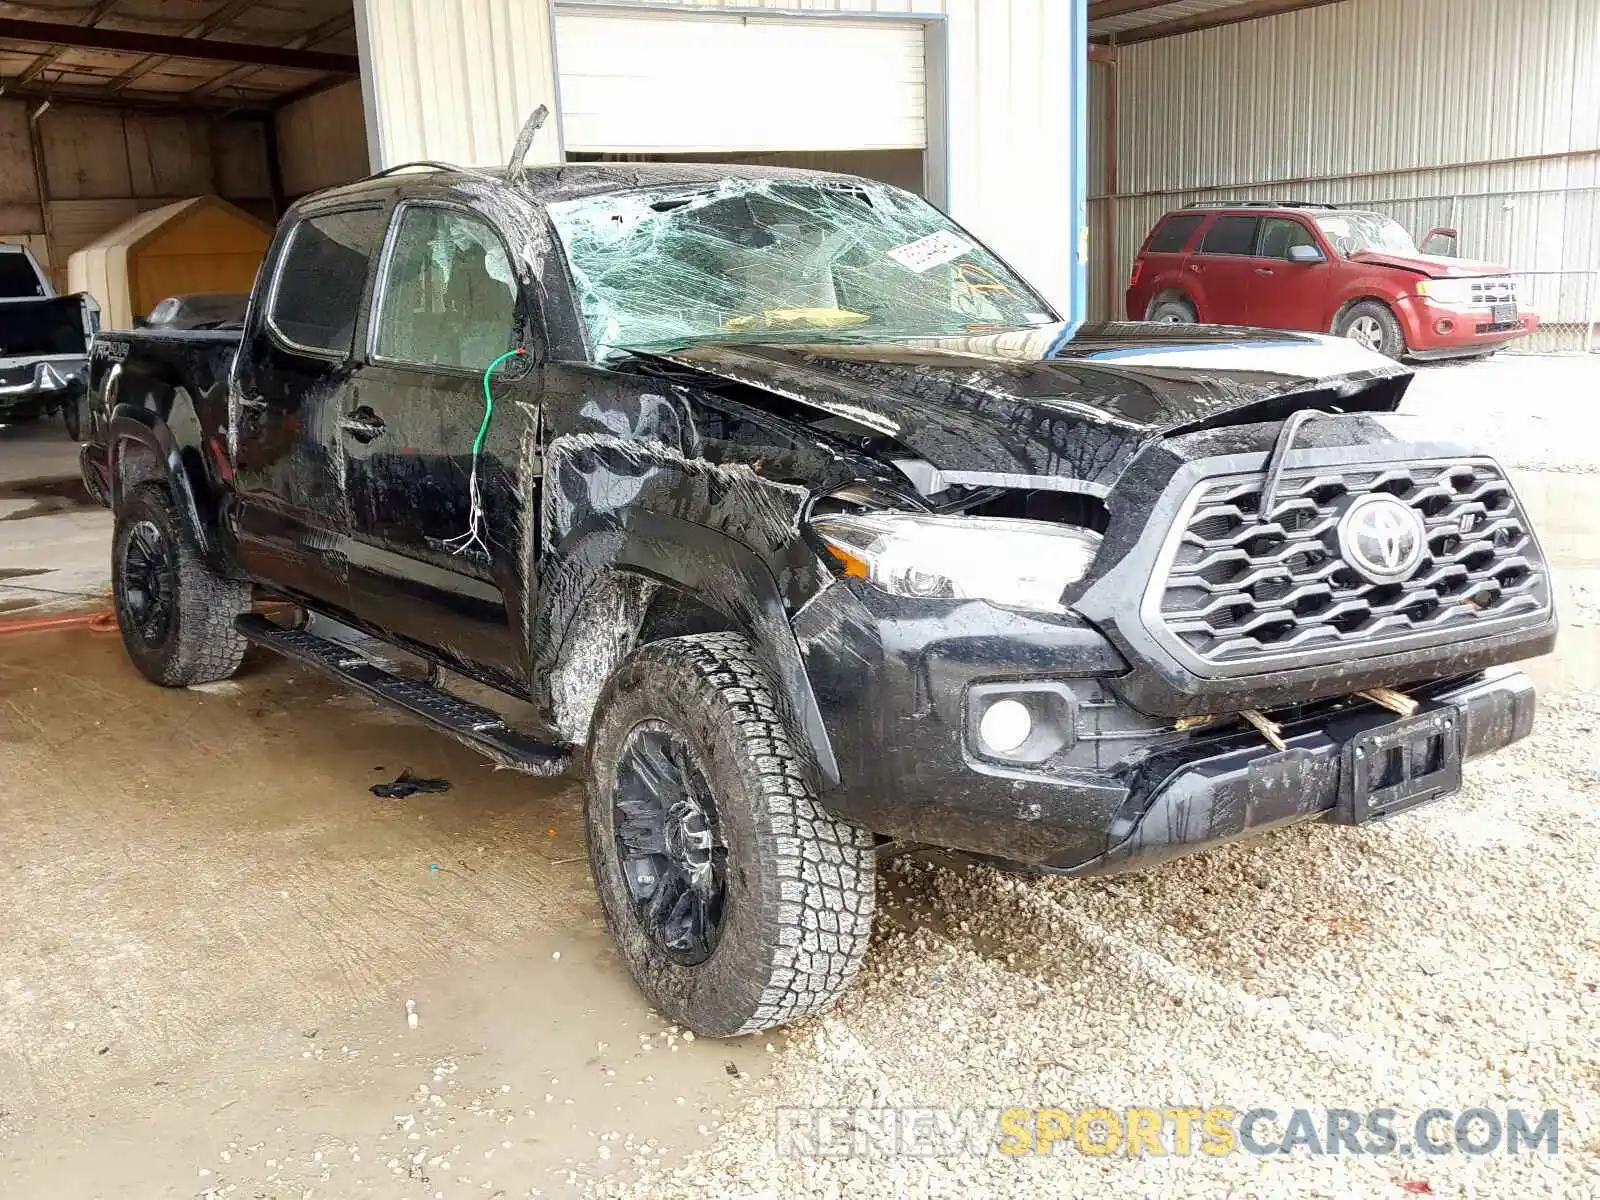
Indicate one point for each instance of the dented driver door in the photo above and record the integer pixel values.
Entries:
(435, 556)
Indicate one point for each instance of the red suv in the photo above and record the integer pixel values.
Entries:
(1316, 267)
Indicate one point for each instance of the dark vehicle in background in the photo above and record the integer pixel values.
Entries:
(201, 310)
(44, 343)
(809, 524)
(1322, 269)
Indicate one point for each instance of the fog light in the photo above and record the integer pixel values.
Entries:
(1005, 725)
(1444, 326)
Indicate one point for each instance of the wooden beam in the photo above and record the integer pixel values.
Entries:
(1216, 17)
(1099, 10)
(206, 28)
(72, 95)
(1102, 54)
(46, 60)
(196, 49)
(238, 74)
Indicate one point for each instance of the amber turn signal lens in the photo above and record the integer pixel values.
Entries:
(854, 568)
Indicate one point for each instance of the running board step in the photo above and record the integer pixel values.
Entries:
(471, 724)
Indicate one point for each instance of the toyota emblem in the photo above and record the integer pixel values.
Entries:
(1382, 537)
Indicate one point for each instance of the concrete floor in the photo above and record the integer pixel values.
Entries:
(215, 928)
(54, 541)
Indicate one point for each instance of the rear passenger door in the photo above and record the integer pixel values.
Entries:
(1221, 271)
(446, 305)
(1160, 268)
(290, 384)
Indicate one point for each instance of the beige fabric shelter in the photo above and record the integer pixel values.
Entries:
(203, 244)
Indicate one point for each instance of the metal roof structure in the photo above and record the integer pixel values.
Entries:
(1124, 22)
(175, 54)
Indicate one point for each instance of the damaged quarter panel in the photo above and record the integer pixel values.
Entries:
(648, 477)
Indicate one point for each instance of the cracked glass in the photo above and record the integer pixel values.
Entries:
(790, 260)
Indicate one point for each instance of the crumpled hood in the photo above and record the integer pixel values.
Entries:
(1433, 266)
(1058, 406)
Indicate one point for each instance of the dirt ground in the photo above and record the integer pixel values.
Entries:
(216, 932)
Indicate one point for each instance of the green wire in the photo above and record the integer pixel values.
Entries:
(488, 404)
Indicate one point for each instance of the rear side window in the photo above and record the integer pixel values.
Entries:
(1173, 233)
(321, 277)
(1231, 235)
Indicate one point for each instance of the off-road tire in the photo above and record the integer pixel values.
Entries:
(1172, 311)
(200, 644)
(797, 913)
(1393, 339)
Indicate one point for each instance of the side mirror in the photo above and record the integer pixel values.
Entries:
(1447, 236)
(1306, 254)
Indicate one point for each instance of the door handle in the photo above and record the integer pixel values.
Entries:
(1195, 267)
(363, 425)
(1264, 272)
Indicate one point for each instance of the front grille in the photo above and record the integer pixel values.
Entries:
(1502, 289)
(1235, 587)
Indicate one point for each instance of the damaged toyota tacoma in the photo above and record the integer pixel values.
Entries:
(813, 529)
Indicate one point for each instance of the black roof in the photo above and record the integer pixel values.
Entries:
(544, 185)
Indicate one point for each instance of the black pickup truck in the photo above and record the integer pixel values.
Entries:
(815, 530)
(44, 343)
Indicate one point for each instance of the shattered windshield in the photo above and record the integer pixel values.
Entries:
(1353, 232)
(765, 260)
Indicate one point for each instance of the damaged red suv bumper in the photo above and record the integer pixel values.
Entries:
(1441, 331)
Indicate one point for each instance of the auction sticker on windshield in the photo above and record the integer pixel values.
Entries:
(928, 252)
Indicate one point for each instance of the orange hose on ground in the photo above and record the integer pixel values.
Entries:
(100, 621)
(104, 620)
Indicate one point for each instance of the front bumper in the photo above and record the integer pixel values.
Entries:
(1219, 795)
(1440, 331)
(894, 679)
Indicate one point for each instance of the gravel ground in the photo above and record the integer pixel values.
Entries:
(1537, 412)
(1449, 958)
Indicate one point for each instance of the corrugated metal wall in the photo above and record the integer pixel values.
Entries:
(1481, 115)
(1011, 111)
(455, 79)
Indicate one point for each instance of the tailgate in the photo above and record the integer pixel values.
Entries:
(42, 328)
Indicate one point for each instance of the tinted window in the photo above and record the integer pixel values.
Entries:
(1171, 235)
(1231, 235)
(321, 276)
(1279, 233)
(449, 297)
(17, 277)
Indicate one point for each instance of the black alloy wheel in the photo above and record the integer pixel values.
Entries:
(668, 843)
(149, 582)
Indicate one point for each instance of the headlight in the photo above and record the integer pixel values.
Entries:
(1021, 564)
(1446, 291)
